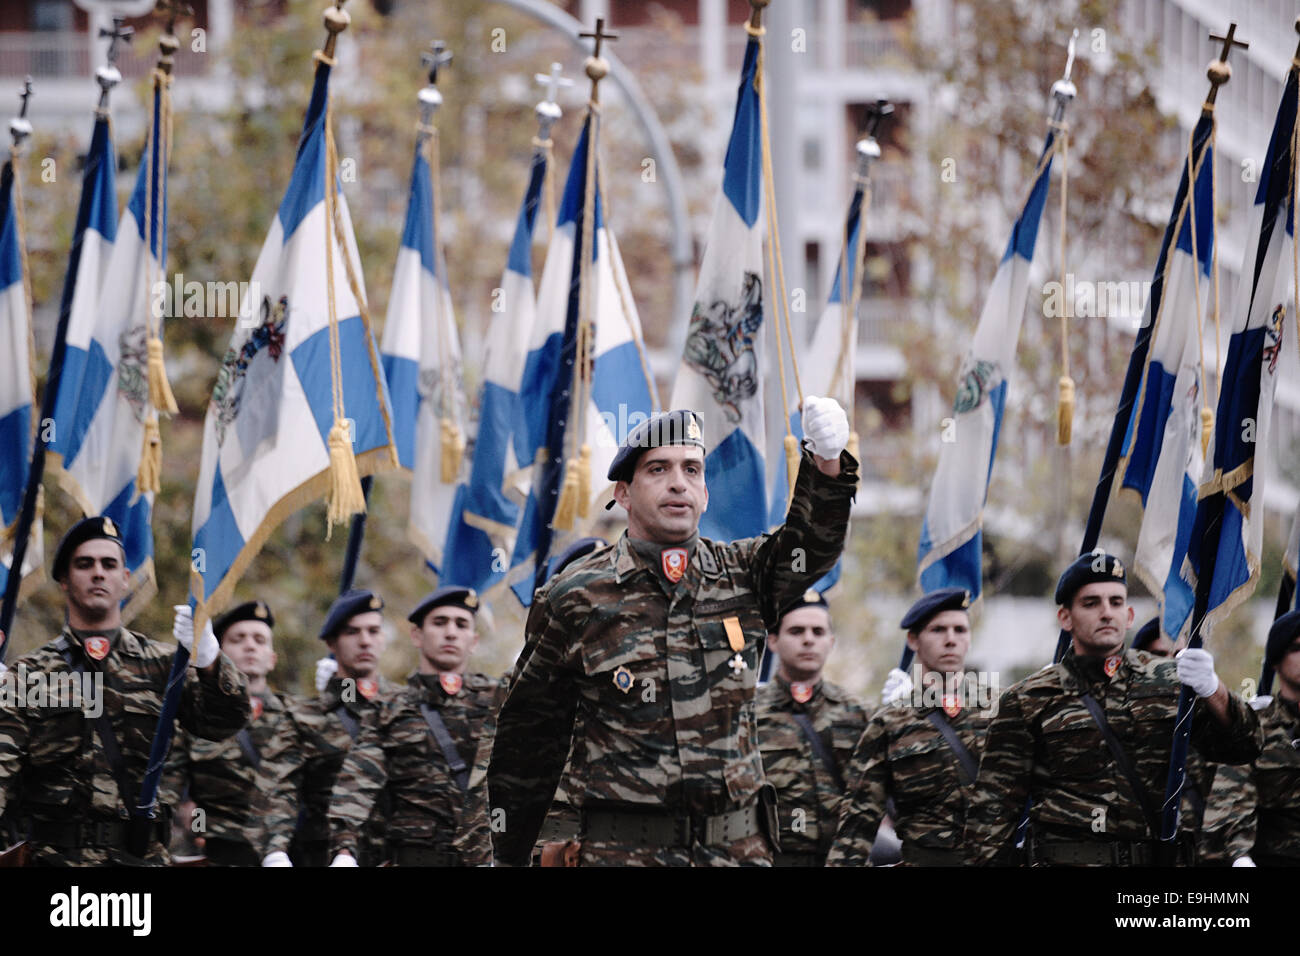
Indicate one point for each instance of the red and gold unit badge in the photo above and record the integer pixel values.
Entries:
(451, 683)
(255, 705)
(801, 692)
(674, 563)
(97, 648)
(951, 705)
(1111, 665)
(368, 687)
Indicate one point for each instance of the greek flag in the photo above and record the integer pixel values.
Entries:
(265, 437)
(559, 426)
(17, 387)
(949, 553)
(1229, 521)
(721, 376)
(1162, 447)
(421, 357)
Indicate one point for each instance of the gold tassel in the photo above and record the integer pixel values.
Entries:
(852, 446)
(567, 507)
(345, 498)
(160, 391)
(584, 482)
(791, 463)
(1065, 411)
(149, 476)
(453, 449)
(1207, 429)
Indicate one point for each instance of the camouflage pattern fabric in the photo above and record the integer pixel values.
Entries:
(1277, 781)
(1228, 827)
(299, 767)
(396, 753)
(808, 799)
(1044, 744)
(663, 676)
(52, 764)
(904, 757)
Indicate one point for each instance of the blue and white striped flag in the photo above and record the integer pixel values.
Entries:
(17, 387)
(1163, 459)
(1229, 525)
(949, 553)
(421, 356)
(621, 392)
(721, 377)
(266, 435)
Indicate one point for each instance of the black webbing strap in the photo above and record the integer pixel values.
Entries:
(441, 737)
(819, 748)
(966, 761)
(1125, 766)
(248, 748)
(349, 722)
(104, 729)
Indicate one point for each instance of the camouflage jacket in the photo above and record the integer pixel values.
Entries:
(808, 797)
(1277, 780)
(396, 753)
(903, 757)
(220, 778)
(52, 764)
(663, 675)
(1228, 826)
(301, 762)
(1044, 744)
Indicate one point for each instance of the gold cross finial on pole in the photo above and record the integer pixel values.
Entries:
(596, 66)
(1219, 72)
(168, 44)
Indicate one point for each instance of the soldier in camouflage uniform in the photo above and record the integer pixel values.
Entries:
(303, 758)
(653, 645)
(426, 749)
(1048, 744)
(807, 727)
(55, 767)
(219, 777)
(1277, 771)
(921, 748)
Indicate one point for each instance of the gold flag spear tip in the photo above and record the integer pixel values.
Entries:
(168, 44)
(596, 67)
(1219, 72)
(20, 127)
(336, 21)
(108, 75)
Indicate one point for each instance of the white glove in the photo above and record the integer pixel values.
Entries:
(344, 859)
(897, 686)
(325, 669)
(1243, 861)
(183, 631)
(277, 858)
(1261, 701)
(825, 427)
(1196, 670)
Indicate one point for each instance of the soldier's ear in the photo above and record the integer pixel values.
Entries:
(1063, 618)
(621, 493)
(912, 640)
(771, 641)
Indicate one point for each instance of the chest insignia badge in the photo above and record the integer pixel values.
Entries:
(1111, 665)
(623, 679)
(451, 683)
(674, 563)
(368, 687)
(97, 648)
(801, 692)
(737, 665)
(255, 703)
(951, 705)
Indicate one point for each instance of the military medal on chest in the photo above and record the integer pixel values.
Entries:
(736, 641)
(451, 683)
(97, 648)
(673, 561)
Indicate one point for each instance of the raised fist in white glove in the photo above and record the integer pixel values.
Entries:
(1196, 670)
(897, 686)
(183, 631)
(825, 427)
(344, 859)
(277, 858)
(326, 667)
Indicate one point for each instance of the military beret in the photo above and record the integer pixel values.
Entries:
(809, 598)
(679, 427)
(87, 529)
(349, 605)
(1148, 632)
(1280, 636)
(449, 596)
(248, 611)
(928, 605)
(579, 549)
(1095, 567)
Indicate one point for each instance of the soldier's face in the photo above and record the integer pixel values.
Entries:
(666, 496)
(1097, 618)
(1288, 669)
(445, 640)
(1160, 647)
(248, 645)
(943, 643)
(96, 582)
(358, 643)
(803, 643)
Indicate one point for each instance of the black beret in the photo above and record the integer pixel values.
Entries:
(1280, 636)
(87, 529)
(928, 605)
(579, 549)
(1148, 632)
(248, 611)
(449, 596)
(345, 606)
(679, 427)
(809, 598)
(1095, 567)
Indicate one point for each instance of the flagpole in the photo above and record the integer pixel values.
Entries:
(107, 76)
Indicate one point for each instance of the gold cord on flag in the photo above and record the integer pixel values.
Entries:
(451, 438)
(1065, 387)
(1189, 206)
(841, 380)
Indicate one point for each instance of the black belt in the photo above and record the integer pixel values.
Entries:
(1110, 853)
(658, 829)
(425, 856)
(931, 856)
(799, 859)
(107, 833)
